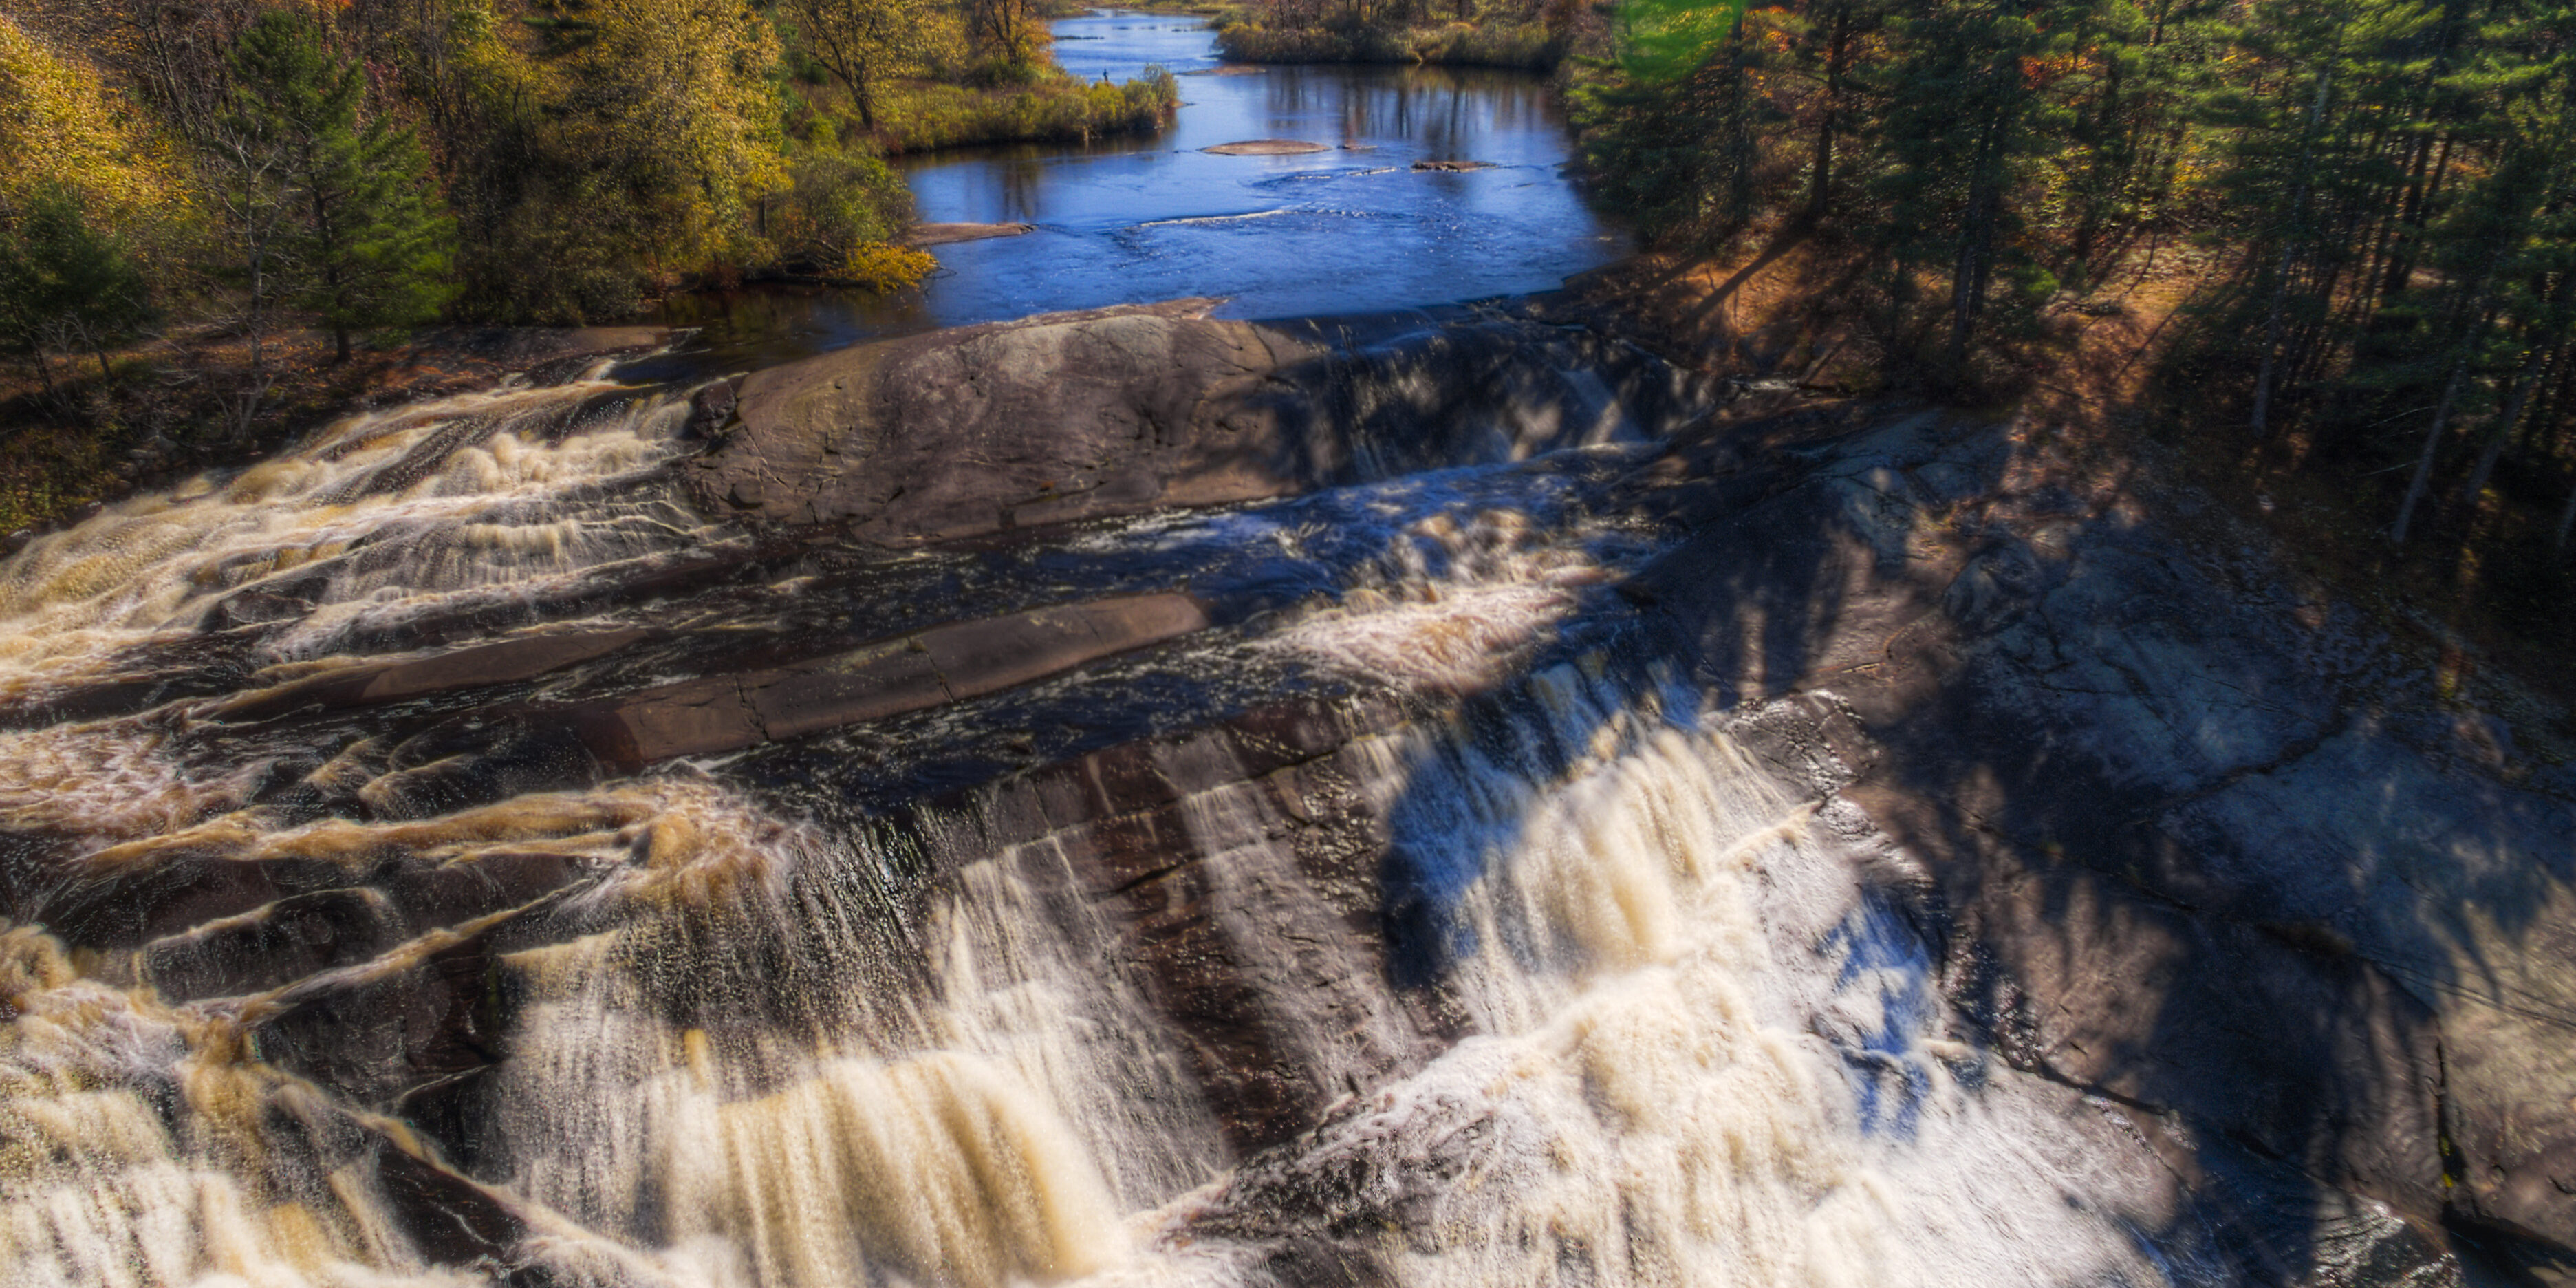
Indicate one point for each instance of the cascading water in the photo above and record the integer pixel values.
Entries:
(379, 516)
(1404, 918)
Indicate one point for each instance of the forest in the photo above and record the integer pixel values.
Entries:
(2383, 193)
(381, 163)
(190, 193)
(2380, 190)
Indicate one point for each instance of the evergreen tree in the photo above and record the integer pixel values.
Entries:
(1967, 109)
(369, 248)
(1677, 140)
(1832, 37)
(2141, 69)
(64, 284)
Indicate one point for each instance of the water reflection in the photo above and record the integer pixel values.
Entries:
(1350, 229)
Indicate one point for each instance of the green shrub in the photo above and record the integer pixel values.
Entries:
(1526, 45)
(921, 117)
(881, 267)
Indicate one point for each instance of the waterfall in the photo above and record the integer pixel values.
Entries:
(1473, 940)
(376, 520)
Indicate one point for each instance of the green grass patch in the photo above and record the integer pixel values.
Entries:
(924, 116)
(1458, 44)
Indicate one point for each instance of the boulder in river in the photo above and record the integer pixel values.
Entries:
(1265, 148)
(1118, 411)
(944, 234)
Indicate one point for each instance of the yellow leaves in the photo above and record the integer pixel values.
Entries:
(659, 127)
(879, 266)
(60, 122)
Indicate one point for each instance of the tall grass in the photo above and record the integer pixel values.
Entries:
(923, 116)
(1524, 45)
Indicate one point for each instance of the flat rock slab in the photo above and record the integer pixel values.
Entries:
(979, 429)
(1111, 412)
(1452, 166)
(1266, 148)
(943, 234)
(944, 664)
(375, 683)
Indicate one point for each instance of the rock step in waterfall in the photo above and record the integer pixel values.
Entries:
(1147, 798)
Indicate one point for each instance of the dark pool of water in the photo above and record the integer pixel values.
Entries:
(1352, 229)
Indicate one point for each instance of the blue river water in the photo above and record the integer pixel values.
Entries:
(1351, 229)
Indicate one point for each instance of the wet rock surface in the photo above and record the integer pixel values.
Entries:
(1121, 411)
(2196, 863)
(945, 234)
(1266, 147)
(909, 733)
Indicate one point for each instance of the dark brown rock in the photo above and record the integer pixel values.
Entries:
(1266, 148)
(379, 1032)
(450, 1218)
(372, 683)
(975, 429)
(941, 665)
(870, 684)
(273, 945)
(1244, 903)
(711, 409)
(1118, 411)
(945, 234)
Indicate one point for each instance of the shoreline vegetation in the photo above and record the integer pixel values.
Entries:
(1515, 34)
(219, 220)
(1526, 46)
(2333, 237)
(2316, 257)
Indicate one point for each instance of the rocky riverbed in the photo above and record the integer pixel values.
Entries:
(1425, 798)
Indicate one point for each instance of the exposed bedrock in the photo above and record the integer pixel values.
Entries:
(2200, 843)
(2193, 863)
(1119, 411)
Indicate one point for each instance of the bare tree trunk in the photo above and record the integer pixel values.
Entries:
(2432, 444)
(1837, 47)
(2502, 431)
(2566, 521)
(2262, 419)
(2262, 423)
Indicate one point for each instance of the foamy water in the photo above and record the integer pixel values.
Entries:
(1681, 1037)
(379, 517)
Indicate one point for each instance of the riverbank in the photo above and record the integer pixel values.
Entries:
(1054, 107)
(2102, 394)
(1525, 46)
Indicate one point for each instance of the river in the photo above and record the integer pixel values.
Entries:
(1352, 229)
(1154, 799)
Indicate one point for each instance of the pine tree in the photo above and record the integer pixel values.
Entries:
(1967, 108)
(370, 247)
(2312, 126)
(64, 284)
(2498, 243)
